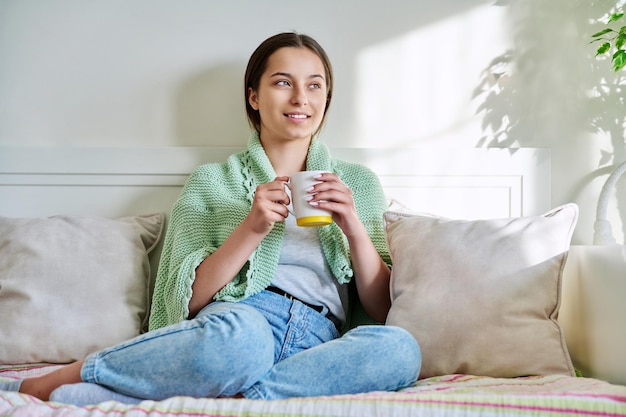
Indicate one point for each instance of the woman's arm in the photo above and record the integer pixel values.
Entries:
(219, 268)
(268, 207)
(371, 275)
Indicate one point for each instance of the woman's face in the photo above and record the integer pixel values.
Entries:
(291, 97)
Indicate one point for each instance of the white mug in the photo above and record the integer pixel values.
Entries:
(306, 214)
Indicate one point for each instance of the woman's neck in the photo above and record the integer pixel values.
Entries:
(287, 157)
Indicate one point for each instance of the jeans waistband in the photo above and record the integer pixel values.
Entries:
(330, 316)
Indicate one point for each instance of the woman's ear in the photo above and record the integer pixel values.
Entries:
(253, 99)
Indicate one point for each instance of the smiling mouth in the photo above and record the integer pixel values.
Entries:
(297, 116)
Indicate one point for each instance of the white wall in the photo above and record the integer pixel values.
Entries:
(169, 73)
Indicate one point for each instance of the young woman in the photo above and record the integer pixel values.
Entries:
(247, 304)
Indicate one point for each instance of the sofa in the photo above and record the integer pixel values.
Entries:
(478, 254)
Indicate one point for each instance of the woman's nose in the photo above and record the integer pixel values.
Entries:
(299, 96)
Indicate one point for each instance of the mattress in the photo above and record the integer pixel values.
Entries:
(449, 395)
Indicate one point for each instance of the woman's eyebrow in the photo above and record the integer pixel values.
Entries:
(288, 75)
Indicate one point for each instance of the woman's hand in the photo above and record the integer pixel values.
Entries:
(333, 195)
(269, 206)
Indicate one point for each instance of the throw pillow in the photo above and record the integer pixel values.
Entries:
(482, 297)
(71, 285)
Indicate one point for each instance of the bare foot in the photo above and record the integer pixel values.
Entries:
(42, 386)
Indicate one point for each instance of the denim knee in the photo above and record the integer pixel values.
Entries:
(397, 348)
(407, 351)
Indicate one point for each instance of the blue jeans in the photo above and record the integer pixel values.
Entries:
(264, 347)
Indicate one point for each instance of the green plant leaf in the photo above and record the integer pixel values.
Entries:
(615, 16)
(597, 40)
(602, 32)
(620, 40)
(603, 49)
(619, 60)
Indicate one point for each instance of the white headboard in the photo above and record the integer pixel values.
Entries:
(111, 182)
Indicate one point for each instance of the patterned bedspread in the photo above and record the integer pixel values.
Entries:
(450, 395)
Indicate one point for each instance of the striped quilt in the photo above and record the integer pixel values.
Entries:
(450, 395)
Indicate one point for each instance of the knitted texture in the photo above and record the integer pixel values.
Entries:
(216, 199)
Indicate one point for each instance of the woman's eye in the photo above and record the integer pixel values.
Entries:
(283, 83)
(316, 86)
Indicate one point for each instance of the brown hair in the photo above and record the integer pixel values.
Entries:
(258, 63)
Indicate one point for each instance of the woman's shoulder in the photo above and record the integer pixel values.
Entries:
(220, 177)
(349, 170)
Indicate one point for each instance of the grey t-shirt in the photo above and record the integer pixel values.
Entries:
(303, 272)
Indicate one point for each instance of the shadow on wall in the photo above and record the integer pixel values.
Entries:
(210, 108)
(550, 83)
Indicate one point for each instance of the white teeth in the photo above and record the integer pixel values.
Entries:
(298, 116)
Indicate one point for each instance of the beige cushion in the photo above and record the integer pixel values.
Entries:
(72, 285)
(482, 297)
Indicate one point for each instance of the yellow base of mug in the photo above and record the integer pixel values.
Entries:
(314, 221)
